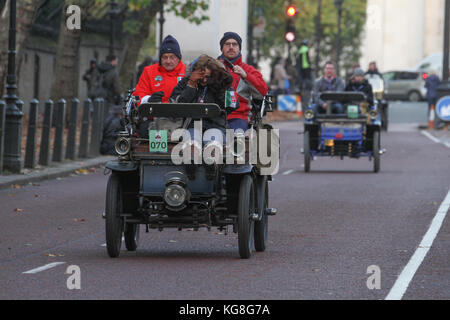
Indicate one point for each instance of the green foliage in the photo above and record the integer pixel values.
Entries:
(352, 25)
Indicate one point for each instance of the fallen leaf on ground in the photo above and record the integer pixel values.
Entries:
(81, 171)
(18, 210)
(54, 255)
(173, 241)
(79, 220)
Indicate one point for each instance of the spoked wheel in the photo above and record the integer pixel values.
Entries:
(131, 236)
(246, 208)
(376, 151)
(306, 151)
(114, 223)
(261, 226)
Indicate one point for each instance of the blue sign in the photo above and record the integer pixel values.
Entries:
(287, 102)
(443, 108)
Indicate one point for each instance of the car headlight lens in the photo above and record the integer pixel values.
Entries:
(373, 114)
(309, 114)
(122, 146)
(175, 195)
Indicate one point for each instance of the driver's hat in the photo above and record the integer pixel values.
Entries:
(358, 72)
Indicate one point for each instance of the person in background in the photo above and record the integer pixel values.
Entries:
(92, 78)
(243, 75)
(111, 128)
(373, 69)
(110, 80)
(431, 84)
(359, 84)
(328, 82)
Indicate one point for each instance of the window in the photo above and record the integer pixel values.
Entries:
(388, 76)
(408, 75)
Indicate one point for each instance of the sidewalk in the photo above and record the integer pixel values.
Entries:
(51, 172)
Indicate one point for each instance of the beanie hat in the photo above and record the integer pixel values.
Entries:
(169, 45)
(231, 35)
(358, 72)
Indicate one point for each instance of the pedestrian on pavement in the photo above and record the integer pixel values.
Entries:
(92, 78)
(247, 81)
(111, 128)
(158, 80)
(431, 84)
(328, 82)
(281, 77)
(293, 76)
(304, 65)
(359, 84)
(110, 80)
(373, 69)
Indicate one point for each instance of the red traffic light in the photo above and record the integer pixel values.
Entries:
(291, 11)
(290, 36)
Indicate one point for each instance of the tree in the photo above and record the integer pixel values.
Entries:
(353, 18)
(26, 10)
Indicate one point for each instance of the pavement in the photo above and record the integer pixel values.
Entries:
(56, 170)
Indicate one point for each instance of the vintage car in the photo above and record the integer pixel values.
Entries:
(147, 187)
(353, 134)
(382, 105)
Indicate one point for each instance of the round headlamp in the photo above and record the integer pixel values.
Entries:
(373, 114)
(309, 114)
(122, 146)
(175, 195)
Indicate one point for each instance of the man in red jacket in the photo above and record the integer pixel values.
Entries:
(158, 80)
(244, 77)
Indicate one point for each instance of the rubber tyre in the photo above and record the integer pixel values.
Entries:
(131, 236)
(376, 151)
(113, 221)
(261, 227)
(246, 206)
(414, 96)
(306, 151)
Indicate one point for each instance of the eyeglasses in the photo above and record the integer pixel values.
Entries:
(231, 44)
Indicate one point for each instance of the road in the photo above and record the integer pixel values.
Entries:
(333, 225)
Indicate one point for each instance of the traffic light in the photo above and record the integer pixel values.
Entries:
(291, 12)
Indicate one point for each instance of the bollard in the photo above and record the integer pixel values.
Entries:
(95, 129)
(30, 151)
(20, 104)
(44, 155)
(72, 132)
(103, 109)
(2, 128)
(84, 136)
(59, 131)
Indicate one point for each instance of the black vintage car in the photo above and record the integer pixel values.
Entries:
(147, 187)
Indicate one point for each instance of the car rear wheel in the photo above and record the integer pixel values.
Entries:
(113, 221)
(246, 208)
(376, 151)
(306, 151)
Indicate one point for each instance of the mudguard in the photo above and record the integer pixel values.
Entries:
(237, 168)
(121, 166)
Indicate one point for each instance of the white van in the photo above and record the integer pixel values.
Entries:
(432, 62)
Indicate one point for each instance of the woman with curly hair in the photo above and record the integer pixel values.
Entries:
(207, 81)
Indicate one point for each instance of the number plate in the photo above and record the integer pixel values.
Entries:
(157, 140)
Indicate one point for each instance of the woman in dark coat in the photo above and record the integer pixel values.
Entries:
(207, 82)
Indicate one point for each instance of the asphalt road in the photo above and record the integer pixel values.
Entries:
(332, 225)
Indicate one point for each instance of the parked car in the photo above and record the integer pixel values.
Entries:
(405, 85)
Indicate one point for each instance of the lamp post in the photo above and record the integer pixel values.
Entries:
(161, 21)
(112, 17)
(13, 115)
(338, 4)
(318, 35)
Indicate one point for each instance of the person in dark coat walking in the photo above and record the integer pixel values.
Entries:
(111, 81)
(111, 128)
(431, 84)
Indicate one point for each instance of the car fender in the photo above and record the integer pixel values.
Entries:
(121, 166)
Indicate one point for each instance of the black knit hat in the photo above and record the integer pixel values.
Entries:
(231, 35)
(170, 45)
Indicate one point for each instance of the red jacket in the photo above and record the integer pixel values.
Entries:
(155, 78)
(254, 77)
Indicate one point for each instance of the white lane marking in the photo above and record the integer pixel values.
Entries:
(287, 172)
(402, 283)
(434, 139)
(46, 267)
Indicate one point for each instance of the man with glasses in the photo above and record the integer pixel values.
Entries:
(328, 82)
(245, 79)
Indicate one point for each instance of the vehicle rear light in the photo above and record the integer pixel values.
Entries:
(424, 76)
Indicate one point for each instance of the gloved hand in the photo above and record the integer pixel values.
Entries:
(156, 97)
